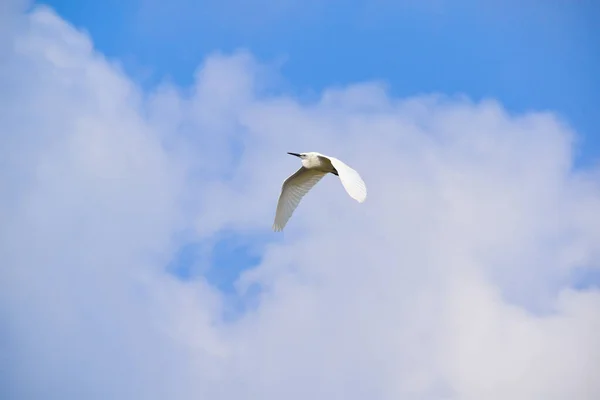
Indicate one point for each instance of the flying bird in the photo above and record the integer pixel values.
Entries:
(314, 167)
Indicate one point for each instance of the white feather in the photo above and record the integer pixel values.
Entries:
(293, 190)
(351, 180)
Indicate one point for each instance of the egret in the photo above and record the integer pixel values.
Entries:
(314, 167)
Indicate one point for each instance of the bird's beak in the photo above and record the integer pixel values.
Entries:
(294, 154)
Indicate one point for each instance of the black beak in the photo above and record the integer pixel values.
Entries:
(294, 154)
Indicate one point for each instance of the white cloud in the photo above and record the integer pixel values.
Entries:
(451, 282)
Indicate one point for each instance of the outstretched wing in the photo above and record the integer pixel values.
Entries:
(351, 180)
(292, 191)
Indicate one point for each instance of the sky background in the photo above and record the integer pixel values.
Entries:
(532, 55)
(142, 147)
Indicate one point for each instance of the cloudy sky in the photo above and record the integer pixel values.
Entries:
(142, 146)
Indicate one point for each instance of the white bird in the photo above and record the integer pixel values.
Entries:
(314, 167)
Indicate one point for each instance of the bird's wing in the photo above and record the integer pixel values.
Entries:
(351, 180)
(292, 191)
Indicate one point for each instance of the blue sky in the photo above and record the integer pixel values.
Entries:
(531, 55)
(137, 258)
(528, 54)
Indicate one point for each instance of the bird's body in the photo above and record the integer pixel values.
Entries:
(314, 167)
(318, 162)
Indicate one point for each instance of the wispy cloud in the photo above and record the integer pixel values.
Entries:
(453, 280)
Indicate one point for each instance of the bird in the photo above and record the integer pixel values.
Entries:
(314, 167)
